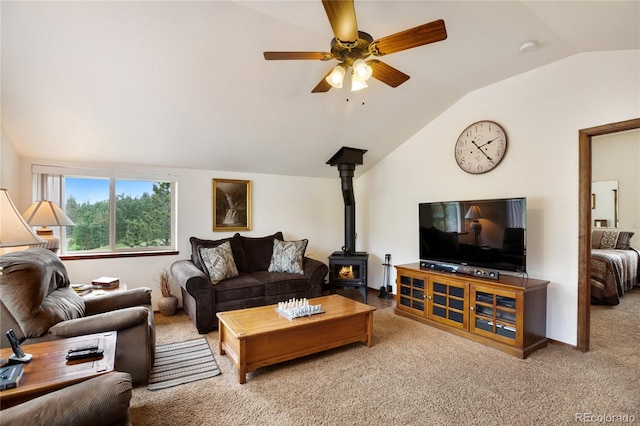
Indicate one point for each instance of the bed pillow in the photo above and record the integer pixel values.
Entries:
(288, 256)
(608, 240)
(624, 240)
(219, 262)
(596, 237)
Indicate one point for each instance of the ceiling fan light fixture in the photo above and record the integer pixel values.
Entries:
(336, 77)
(358, 85)
(361, 70)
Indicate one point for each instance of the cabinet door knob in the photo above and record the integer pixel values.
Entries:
(430, 298)
(472, 308)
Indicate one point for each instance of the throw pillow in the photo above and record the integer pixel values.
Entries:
(219, 262)
(258, 251)
(288, 256)
(236, 249)
(624, 240)
(608, 240)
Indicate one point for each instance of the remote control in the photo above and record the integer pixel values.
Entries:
(84, 354)
(90, 347)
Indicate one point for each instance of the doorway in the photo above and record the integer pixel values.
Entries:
(584, 223)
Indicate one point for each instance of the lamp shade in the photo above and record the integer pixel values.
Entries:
(361, 70)
(473, 212)
(14, 231)
(336, 77)
(358, 85)
(46, 213)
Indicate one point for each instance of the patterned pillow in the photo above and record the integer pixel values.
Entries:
(608, 240)
(288, 256)
(219, 262)
(624, 240)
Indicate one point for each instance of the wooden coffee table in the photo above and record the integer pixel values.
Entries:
(49, 369)
(257, 337)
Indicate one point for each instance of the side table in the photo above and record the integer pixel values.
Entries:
(49, 369)
(102, 291)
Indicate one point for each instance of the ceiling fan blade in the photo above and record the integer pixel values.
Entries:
(323, 86)
(275, 56)
(387, 74)
(413, 37)
(342, 17)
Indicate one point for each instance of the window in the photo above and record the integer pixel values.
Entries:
(447, 217)
(113, 212)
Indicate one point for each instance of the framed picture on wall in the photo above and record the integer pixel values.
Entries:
(231, 205)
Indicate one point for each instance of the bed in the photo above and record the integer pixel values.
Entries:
(614, 266)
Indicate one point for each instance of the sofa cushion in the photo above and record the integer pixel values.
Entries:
(35, 290)
(218, 261)
(282, 282)
(288, 256)
(244, 286)
(258, 251)
(236, 248)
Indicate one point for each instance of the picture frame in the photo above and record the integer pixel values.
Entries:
(231, 205)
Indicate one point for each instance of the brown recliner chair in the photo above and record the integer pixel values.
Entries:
(38, 304)
(103, 400)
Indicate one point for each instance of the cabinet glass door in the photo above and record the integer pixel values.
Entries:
(448, 302)
(412, 293)
(493, 314)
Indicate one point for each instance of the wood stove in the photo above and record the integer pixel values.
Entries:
(348, 268)
(349, 271)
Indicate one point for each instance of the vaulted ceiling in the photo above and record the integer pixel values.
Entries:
(184, 84)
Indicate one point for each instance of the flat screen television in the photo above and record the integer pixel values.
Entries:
(478, 233)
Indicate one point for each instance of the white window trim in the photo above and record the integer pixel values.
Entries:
(38, 170)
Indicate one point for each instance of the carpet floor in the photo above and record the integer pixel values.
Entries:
(414, 375)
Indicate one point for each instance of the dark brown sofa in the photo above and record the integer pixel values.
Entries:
(254, 285)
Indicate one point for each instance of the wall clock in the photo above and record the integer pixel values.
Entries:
(481, 147)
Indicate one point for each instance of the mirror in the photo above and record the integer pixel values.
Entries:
(604, 204)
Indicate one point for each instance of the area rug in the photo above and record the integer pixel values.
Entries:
(183, 362)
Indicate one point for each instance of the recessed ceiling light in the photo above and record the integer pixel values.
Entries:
(528, 46)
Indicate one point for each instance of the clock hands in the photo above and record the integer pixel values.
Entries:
(487, 143)
(483, 153)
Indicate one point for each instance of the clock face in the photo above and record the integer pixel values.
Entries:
(481, 147)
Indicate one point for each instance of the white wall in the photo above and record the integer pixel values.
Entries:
(615, 157)
(299, 207)
(541, 111)
(9, 166)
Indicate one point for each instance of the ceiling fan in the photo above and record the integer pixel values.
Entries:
(352, 47)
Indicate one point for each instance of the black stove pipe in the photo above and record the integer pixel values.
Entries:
(346, 179)
(346, 159)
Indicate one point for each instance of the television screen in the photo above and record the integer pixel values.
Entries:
(482, 233)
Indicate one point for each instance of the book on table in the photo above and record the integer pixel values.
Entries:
(82, 289)
(10, 376)
(106, 282)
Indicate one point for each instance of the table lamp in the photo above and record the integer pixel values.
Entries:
(47, 213)
(475, 214)
(14, 231)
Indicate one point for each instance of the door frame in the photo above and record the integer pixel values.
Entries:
(584, 223)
